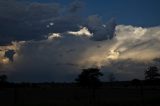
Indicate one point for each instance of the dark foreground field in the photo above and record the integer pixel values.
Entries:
(72, 95)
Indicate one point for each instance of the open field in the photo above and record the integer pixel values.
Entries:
(72, 95)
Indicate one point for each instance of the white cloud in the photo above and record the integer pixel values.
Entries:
(130, 32)
(83, 32)
(53, 36)
(135, 43)
(139, 43)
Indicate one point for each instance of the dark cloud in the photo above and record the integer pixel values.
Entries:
(25, 21)
(30, 20)
(102, 31)
(76, 6)
(9, 54)
(48, 60)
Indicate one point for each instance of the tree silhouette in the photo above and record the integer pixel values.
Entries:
(151, 73)
(89, 78)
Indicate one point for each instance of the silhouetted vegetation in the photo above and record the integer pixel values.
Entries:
(90, 91)
(89, 78)
(151, 73)
(152, 76)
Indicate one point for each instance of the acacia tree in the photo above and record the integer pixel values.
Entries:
(151, 73)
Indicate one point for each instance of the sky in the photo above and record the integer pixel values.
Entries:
(133, 12)
(53, 40)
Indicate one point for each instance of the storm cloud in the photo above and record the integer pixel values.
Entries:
(22, 20)
(62, 58)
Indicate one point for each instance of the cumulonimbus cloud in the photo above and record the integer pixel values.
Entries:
(127, 54)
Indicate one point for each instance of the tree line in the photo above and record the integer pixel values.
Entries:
(91, 77)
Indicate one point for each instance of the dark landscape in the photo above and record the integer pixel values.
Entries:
(120, 94)
(79, 52)
(88, 90)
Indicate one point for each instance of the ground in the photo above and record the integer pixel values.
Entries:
(72, 95)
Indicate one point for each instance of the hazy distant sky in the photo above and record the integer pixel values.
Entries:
(52, 40)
